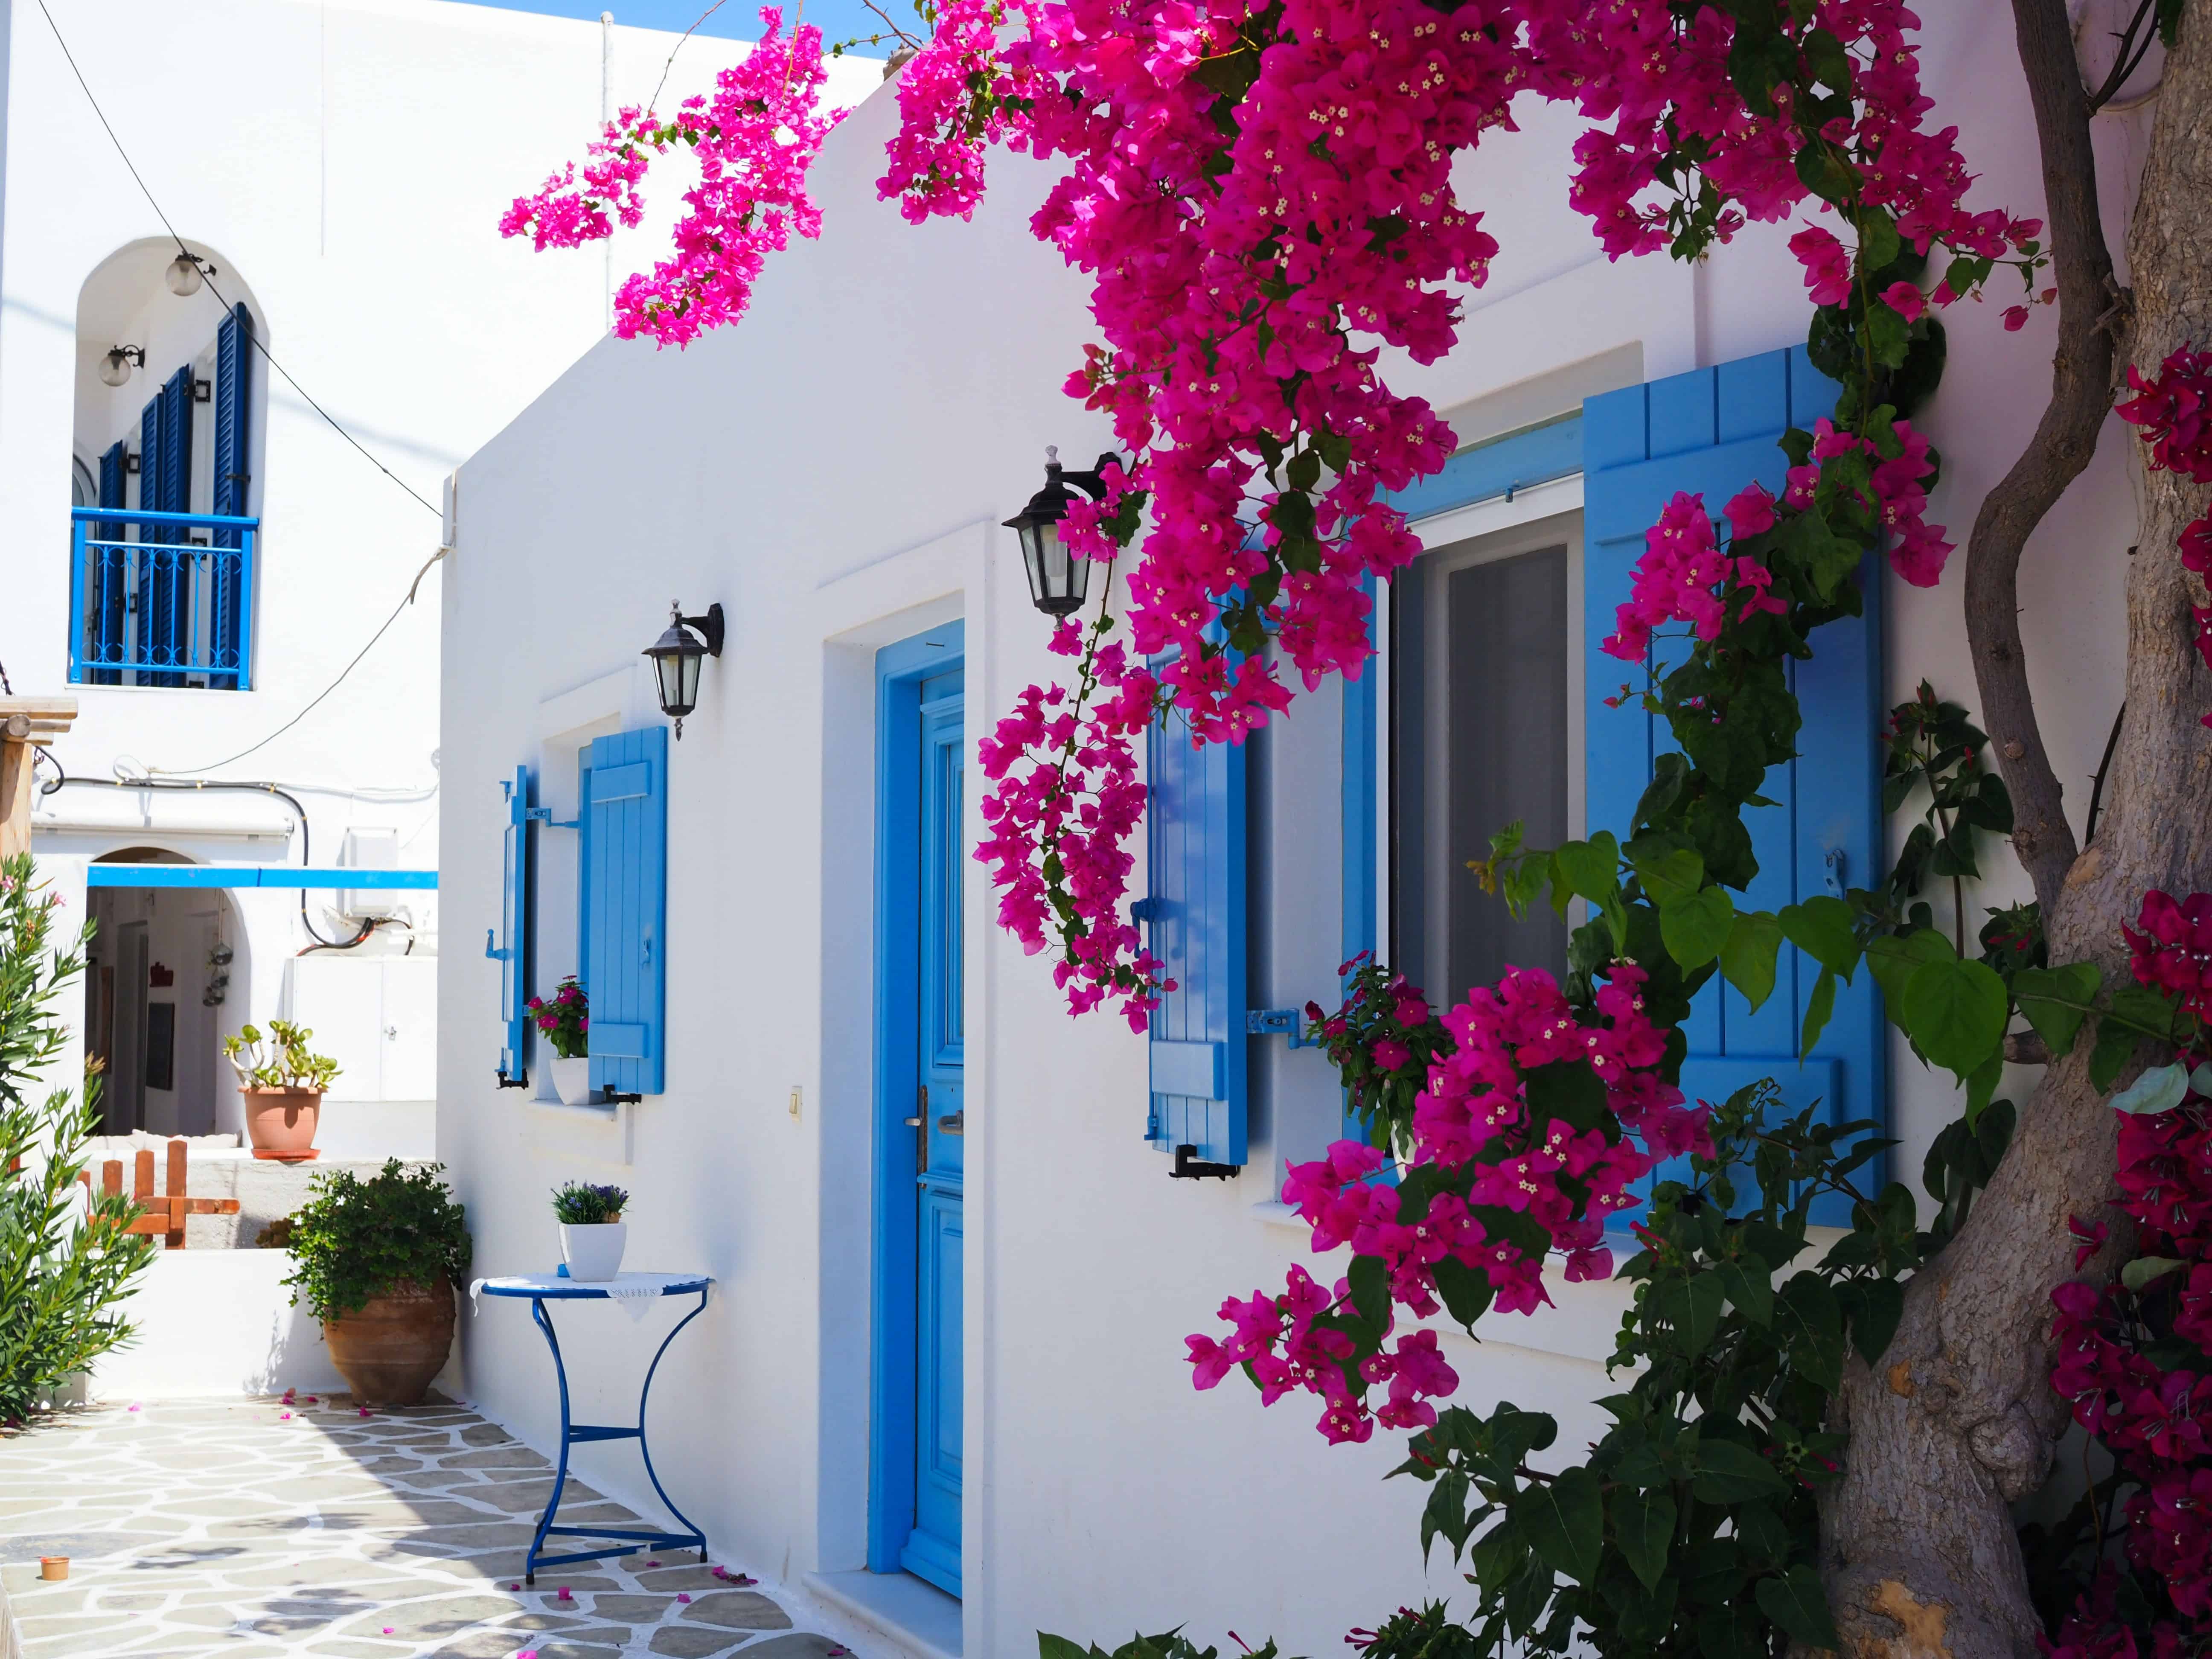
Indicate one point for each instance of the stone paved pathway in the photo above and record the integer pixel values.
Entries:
(207, 1527)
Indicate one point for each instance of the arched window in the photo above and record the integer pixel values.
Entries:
(168, 401)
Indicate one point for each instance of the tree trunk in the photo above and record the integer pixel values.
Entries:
(1959, 1418)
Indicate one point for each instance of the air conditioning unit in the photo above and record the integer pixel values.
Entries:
(370, 849)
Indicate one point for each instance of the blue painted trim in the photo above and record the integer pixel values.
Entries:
(251, 875)
(1498, 469)
(900, 671)
(141, 515)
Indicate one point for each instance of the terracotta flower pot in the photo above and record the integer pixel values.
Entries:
(388, 1350)
(281, 1122)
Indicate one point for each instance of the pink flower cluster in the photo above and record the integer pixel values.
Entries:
(2174, 410)
(2173, 949)
(1064, 799)
(1684, 576)
(1519, 1182)
(755, 140)
(2156, 1421)
(956, 97)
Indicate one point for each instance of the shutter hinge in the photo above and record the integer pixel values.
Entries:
(1831, 865)
(520, 1082)
(1190, 1167)
(1142, 909)
(1267, 1022)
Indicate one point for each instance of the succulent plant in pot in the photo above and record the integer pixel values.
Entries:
(281, 1082)
(376, 1260)
(592, 1232)
(565, 1022)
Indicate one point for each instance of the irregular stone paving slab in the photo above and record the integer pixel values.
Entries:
(683, 1643)
(738, 1610)
(256, 1529)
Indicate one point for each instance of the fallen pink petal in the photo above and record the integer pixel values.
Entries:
(681, 1596)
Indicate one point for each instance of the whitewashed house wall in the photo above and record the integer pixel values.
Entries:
(833, 471)
(343, 167)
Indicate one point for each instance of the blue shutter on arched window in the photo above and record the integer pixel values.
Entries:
(511, 948)
(164, 582)
(234, 380)
(626, 885)
(1715, 430)
(1196, 917)
(107, 582)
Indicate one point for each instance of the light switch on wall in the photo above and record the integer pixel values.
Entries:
(797, 1092)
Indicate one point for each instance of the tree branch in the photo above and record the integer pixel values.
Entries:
(2065, 441)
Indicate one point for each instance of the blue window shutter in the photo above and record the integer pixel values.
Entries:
(151, 499)
(234, 381)
(1195, 916)
(626, 874)
(1714, 430)
(164, 604)
(513, 950)
(107, 588)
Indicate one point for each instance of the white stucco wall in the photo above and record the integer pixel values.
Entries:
(832, 472)
(343, 167)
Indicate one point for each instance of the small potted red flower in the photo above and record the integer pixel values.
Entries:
(566, 1024)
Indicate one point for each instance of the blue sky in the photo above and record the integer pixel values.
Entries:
(838, 20)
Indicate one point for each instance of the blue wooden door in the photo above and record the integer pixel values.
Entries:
(933, 1550)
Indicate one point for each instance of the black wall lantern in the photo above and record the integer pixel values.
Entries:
(1058, 579)
(676, 655)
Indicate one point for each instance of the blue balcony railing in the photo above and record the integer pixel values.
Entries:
(161, 599)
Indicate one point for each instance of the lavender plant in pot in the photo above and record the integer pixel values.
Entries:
(592, 1232)
(566, 1024)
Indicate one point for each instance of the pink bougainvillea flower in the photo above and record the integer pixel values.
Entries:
(2015, 319)
(681, 1596)
(1827, 265)
(1904, 298)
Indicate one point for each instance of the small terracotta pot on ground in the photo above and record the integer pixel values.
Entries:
(389, 1350)
(281, 1122)
(53, 1566)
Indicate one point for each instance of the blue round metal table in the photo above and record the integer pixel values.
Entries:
(628, 1288)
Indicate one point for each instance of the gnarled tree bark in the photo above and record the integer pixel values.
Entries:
(1959, 1418)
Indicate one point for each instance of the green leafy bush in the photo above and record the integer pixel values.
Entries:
(580, 1204)
(62, 1271)
(356, 1239)
(1172, 1644)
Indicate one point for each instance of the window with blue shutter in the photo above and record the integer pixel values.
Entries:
(234, 380)
(107, 587)
(1195, 916)
(165, 485)
(511, 946)
(1715, 430)
(625, 873)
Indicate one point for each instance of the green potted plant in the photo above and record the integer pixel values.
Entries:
(282, 1081)
(376, 1260)
(566, 1024)
(592, 1232)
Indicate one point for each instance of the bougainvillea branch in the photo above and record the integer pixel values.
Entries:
(754, 139)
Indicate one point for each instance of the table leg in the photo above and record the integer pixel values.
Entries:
(561, 1471)
(644, 1447)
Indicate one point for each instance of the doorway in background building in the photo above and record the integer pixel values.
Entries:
(920, 1117)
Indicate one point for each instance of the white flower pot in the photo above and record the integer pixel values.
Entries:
(594, 1253)
(572, 1080)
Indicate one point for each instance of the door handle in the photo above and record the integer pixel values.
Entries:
(953, 1123)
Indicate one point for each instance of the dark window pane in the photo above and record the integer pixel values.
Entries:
(1491, 717)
